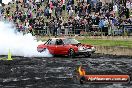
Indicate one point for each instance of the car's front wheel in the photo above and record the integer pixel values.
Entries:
(71, 53)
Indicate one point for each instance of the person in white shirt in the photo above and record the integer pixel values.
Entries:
(77, 17)
(71, 12)
(115, 9)
(128, 5)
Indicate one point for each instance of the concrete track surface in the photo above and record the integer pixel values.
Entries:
(59, 72)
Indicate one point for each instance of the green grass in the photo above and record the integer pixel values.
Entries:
(119, 43)
(100, 42)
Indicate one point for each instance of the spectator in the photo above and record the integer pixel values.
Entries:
(71, 12)
(82, 14)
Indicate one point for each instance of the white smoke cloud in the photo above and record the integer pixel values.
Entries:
(17, 43)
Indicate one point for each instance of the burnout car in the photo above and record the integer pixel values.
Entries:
(66, 46)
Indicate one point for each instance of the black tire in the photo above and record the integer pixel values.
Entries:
(71, 53)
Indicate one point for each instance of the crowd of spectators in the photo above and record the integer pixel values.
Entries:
(74, 16)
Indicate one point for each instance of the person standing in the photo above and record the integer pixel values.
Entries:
(127, 13)
(55, 28)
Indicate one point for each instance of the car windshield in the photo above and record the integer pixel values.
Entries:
(71, 41)
(50, 42)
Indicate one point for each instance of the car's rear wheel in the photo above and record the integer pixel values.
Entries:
(71, 53)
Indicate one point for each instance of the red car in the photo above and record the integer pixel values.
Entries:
(66, 46)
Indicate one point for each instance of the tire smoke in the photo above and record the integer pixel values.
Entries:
(18, 43)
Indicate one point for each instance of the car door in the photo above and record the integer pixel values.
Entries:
(51, 46)
(61, 48)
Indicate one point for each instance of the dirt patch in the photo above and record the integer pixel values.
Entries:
(59, 72)
(114, 50)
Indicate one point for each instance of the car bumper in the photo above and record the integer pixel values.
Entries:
(88, 51)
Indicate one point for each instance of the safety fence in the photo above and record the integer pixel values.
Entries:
(122, 30)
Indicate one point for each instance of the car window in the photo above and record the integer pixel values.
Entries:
(47, 42)
(50, 42)
(71, 41)
(59, 42)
